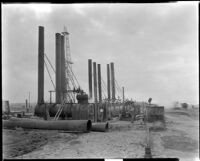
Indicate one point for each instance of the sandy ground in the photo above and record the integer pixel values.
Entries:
(124, 140)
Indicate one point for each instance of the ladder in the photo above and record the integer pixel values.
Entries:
(59, 110)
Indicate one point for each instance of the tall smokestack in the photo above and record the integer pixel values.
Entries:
(108, 81)
(63, 75)
(90, 77)
(95, 82)
(41, 65)
(58, 68)
(99, 82)
(113, 81)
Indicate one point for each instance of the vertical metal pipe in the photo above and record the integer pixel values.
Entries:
(108, 81)
(63, 75)
(113, 81)
(90, 77)
(29, 97)
(41, 65)
(123, 110)
(95, 82)
(123, 93)
(58, 68)
(95, 91)
(26, 105)
(99, 82)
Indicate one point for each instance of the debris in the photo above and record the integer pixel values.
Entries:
(101, 127)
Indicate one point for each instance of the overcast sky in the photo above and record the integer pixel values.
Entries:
(154, 47)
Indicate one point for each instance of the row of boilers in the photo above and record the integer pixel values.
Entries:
(59, 66)
(96, 81)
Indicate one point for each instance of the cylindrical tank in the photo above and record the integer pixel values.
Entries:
(68, 125)
(41, 110)
(82, 98)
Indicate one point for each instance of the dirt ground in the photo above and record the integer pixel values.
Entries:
(179, 139)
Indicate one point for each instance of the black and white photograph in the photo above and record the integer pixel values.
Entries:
(100, 80)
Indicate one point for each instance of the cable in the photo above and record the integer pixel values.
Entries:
(74, 75)
(104, 88)
(49, 74)
(49, 62)
(118, 87)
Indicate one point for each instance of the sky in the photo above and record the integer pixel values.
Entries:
(154, 47)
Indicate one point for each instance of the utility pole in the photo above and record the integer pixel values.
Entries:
(29, 99)
(123, 100)
(26, 105)
(123, 93)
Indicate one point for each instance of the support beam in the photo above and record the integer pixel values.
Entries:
(99, 82)
(41, 66)
(90, 77)
(58, 68)
(108, 81)
(63, 73)
(113, 81)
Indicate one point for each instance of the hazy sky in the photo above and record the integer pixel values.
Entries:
(154, 47)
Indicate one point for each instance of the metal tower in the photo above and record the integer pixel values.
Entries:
(68, 68)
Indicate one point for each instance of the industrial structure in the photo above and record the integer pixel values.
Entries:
(66, 85)
(73, 109)
(89, 106)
